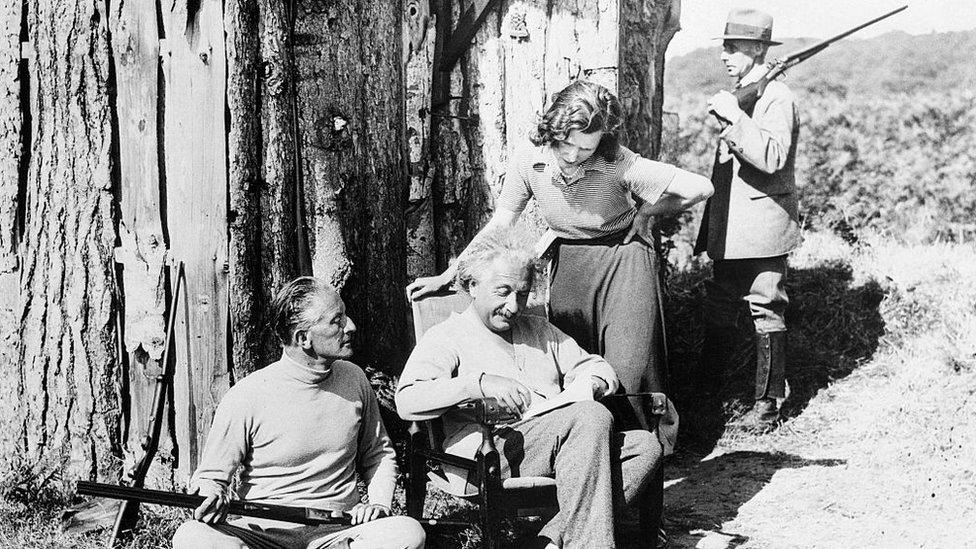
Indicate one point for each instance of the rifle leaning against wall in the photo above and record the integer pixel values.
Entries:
(123, 516)
(749, 94)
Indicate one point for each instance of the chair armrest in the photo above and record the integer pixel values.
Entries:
(488, 411)
(658, 402)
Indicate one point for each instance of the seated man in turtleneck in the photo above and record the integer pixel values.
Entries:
(490, 350)
(299, 430)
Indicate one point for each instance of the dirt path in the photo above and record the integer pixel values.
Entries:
(884, 457)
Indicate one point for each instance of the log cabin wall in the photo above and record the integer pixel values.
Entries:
(137, 134)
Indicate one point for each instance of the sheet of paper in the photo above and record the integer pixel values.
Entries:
(580, 390)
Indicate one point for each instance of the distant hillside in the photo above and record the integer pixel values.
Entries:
(890, 63)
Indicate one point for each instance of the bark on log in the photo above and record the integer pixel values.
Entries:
(281, 250)
(11, 12)
(67, 410)
(11, 147)
(350, 92)
(196, 176)
(646, 29)
(250, 344)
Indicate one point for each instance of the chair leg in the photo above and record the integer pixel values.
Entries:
(490, 495)
(651, 506)
(416, 485)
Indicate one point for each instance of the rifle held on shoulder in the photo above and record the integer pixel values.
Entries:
(749, 94)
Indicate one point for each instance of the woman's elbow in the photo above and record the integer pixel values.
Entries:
(703, 189)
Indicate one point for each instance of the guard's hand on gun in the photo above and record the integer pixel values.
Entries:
(725, 106)
(427, 285)
(511, 394)
(365, 512)
(214, 507)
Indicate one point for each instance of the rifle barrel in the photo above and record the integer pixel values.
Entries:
(802, 54)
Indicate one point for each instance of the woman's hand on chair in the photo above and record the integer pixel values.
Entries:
(426, 285)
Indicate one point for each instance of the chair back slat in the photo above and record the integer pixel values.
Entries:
(427, 312)
(434, 309)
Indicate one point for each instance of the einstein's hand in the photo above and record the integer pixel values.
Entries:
(725, 106)
(512, 395)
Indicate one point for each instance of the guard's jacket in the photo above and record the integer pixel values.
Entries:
(753, 212)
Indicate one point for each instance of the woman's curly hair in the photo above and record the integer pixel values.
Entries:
(583, 106)
(510, 243)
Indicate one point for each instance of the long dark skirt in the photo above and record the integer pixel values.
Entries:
(606, 296)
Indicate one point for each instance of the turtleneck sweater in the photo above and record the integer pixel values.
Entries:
(299, 435)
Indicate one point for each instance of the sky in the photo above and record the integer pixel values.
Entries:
(703, 19)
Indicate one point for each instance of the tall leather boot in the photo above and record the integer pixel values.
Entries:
(770, 382)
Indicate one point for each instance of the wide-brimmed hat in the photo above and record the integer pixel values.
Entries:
(749, 24)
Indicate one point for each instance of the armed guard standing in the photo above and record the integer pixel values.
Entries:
(751, 221)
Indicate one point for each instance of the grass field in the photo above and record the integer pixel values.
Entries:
(877, 450)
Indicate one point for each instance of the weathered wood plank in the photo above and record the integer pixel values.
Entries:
(419, 36)
(598, 36)
(196, 190)
(135, 41)
(527, 25)
(65, 377)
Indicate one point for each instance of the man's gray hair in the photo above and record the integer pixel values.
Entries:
(293, 307)
(509, 243)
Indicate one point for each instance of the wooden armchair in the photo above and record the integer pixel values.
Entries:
(496, 498)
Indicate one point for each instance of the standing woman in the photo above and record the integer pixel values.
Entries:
(604, 286)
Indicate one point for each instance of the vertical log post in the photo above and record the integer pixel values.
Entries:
(419, 36)
(279, 198)
(12, 120)
(247, 295)
(65, 376)
(196, 175)
(351, 105)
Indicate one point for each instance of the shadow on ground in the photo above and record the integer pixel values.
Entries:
(834, 326)
(702, 495)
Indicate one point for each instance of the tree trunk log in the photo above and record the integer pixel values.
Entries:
(282, 249)
(646, 29)
(250, 344)
(11, 158)
(67, 412)
(350, 90)
(11, 12)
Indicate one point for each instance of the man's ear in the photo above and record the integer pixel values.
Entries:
(301, 339)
